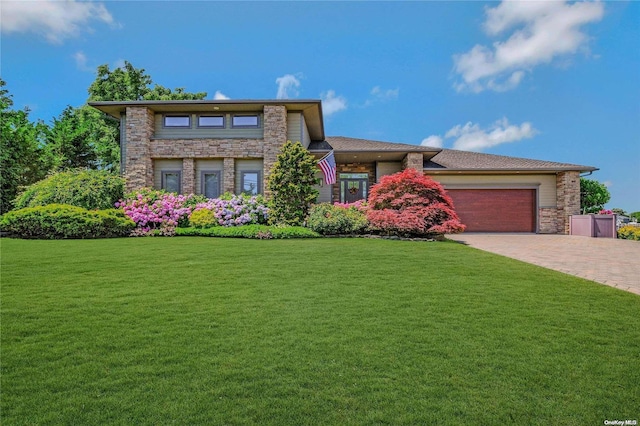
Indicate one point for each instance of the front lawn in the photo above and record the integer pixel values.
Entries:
(326, 331)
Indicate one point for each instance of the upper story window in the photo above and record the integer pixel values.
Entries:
(245, 121)
(177, 121)
(216, 121)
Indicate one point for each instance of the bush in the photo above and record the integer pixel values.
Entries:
(89, 189)
(635, 215)
(291, 182)
(408, 203)
(629, 232)
(56, 221)
(261, 232)
(328, 219)
(203, 218)
(235, 210)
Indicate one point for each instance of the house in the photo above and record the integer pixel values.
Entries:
(214, 146)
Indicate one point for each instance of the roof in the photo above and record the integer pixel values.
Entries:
(445, 160)
(310, 108)
(454, 160)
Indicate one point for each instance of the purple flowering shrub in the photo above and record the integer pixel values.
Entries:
(236, 210)
(160, 213)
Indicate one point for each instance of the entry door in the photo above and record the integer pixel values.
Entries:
(353, 189)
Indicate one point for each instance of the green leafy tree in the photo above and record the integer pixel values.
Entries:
(593, 196)
(69, 141)
(22, 159)
(291, 182)
(126, 83)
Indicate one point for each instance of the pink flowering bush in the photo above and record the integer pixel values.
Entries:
(236, 210)
(360, 205)
(156, 212)
(605, 212)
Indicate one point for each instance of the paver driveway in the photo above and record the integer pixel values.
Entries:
(605, 260)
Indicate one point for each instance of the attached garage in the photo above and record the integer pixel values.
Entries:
(496, 210)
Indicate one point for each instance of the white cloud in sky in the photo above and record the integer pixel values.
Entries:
(378, 94)
(433, 141)
(288, 86)
(219, 96)
(81, 61)
(332, 103)
(471, 137)
(541, 31)
(55, 20)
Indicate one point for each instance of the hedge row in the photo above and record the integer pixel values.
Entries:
(56, 221)
(261, 232)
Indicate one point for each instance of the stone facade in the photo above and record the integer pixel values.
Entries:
(568, 196)
(548, 221)
(188, 176)
(369, 168)
(413, 160)
(138, 162)
(275, 135)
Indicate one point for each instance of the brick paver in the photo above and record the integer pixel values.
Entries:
(609, 261)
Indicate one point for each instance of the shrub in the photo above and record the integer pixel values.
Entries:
(154, 211)
(328, 219)
(236, 210)
(291, 182)
(409, 203)
(90, 189)
(629, 232)
(203, 218)
(56, 221)
(261, 232)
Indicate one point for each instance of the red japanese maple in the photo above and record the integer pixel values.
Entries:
(409, 203)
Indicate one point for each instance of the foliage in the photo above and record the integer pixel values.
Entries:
(22, 157)
(236, 210)
(635, 215)
(618, 211)
(409, 203)
(156, 212)
(260, 232)
(90, 189)
(605, 211)
(55, 221)
(128, 83)
(68, 142)
(328, 219)
(203, 218)
(629, 232)
(593, 195)
(291, 182)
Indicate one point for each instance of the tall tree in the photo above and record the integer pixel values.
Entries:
(22, 159)
(126, 83)
(593, 196)
(69, 141)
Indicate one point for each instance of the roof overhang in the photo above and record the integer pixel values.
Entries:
(445, 171)
(311, 109)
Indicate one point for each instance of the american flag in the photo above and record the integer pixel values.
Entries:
(328, 166)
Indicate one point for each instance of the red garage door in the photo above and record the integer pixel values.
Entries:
(496, 210)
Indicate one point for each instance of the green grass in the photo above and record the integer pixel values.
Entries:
(327, 331)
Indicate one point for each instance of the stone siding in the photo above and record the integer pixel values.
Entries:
(568, 194)
(413, 160)
(275, 135)
(548, 221)
(188, 176)
(138, 163)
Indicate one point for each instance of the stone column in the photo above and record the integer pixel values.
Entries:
(275, 135)
(139, 131)
(188, 176)
(413, 160)
(229, 175)
(568, 196)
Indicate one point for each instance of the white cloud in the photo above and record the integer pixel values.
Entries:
(433, 141)
(542, 31)
(219, 96)
(378, 94)
(332, 103)
(119, 63)
(288, 86)
(55, 20)
(81, 61)
(471, 137)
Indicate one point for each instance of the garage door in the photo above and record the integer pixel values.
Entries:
(496, 210)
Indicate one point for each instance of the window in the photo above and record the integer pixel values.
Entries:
(171, 180)
(245, 121)
(177, 121)
(250, 183)
(210, 183)
(211, 121)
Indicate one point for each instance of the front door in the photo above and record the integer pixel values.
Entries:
(353, 187)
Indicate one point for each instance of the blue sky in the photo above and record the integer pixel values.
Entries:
(554, 81)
